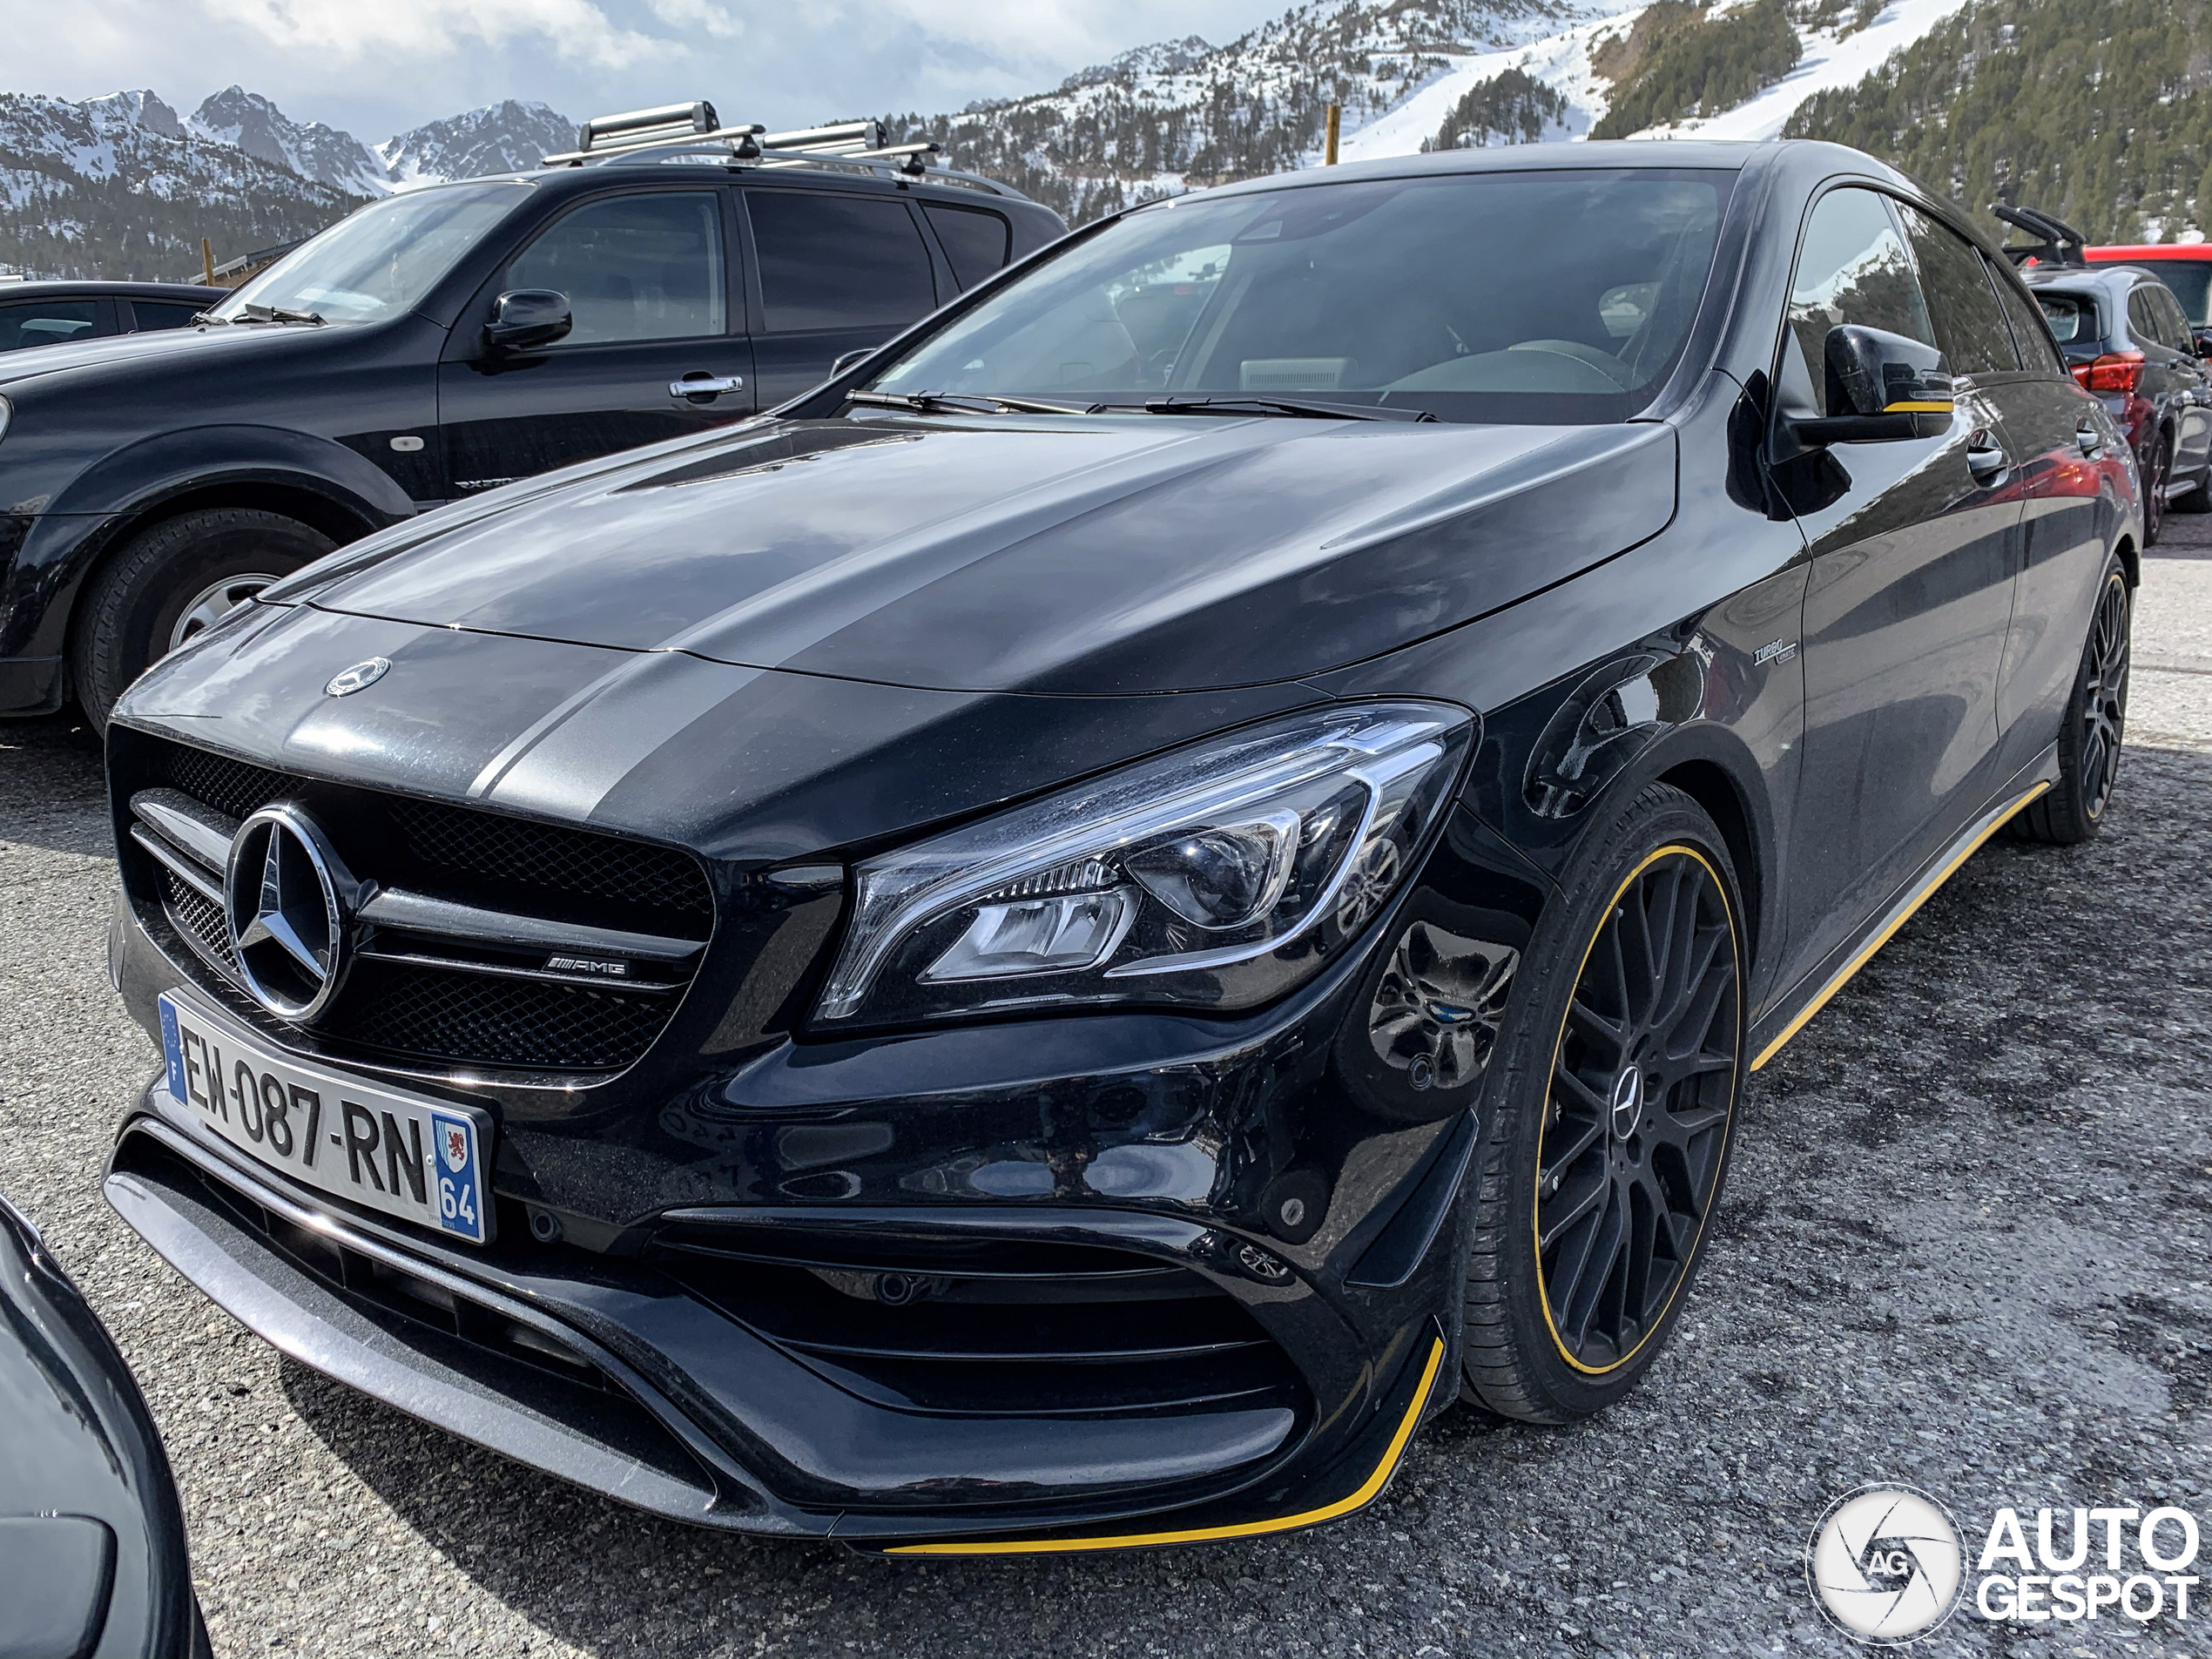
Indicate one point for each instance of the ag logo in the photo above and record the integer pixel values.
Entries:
(456, 1147)
(1886, 1564)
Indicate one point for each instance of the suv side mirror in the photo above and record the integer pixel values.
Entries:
(1882, 387)
(524, 319)
(2201, 341)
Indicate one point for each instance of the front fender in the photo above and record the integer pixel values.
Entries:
(122, 489)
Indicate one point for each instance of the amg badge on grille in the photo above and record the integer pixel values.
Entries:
(587, 965)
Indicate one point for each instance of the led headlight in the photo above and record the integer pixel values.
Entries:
(1218, 876)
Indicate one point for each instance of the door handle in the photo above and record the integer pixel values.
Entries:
(699, 383)
(2087, 440)
(1986, 457)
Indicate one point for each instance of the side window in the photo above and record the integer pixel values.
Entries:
(838, 261)
(976, 242)
(163, 314)
(647, 266)
(1970, 326)
(2031, 333)
(2177, 324)
(45, 323)
(1852, 267)
(2143, 321)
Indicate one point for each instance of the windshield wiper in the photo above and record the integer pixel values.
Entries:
(277, 314)
(1293, 406)
(980, 404)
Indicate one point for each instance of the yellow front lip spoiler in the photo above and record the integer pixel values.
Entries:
(1366, 1495)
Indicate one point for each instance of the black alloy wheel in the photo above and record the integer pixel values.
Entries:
(1642, 1086)
(1606, 1131)
(2073, 809)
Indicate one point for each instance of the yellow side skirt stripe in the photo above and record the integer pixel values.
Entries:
(1373, 1484)
(1926, 890)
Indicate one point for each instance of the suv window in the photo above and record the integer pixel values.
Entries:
(976, 241)
(838, 261)
(1852, 267)
(1969, 325)
(2073, 319)
(2176, 325)
(2031, 334)
(45, 323)
(647, 266)
(162, 313)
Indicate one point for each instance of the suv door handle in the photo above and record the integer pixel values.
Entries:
(699, 383)
(1986, 457)
(2089, 441)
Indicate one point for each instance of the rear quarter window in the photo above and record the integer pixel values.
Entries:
(2073, 320)
(976, 242)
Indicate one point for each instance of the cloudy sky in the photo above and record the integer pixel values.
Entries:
(378, 66)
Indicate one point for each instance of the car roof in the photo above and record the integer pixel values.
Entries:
(2078, 279)
(48, 289)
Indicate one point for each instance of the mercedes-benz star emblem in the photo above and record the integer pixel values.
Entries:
(1628, 1101)
(285, 898)
(347, 681)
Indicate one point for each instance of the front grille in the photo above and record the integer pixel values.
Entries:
(986, 1326)
(464, 844)
(427, 997)
(436, 1014)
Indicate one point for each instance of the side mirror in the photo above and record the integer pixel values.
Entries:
(525, 319)
(853, 360)
(2201, 341)
(1881, 387)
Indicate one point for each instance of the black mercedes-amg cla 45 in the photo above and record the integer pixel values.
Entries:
(1046, 948)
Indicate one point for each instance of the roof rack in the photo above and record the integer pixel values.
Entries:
(676, 129)
(2057, 242)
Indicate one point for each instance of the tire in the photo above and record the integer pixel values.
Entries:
(1547, 1338)
(2155, 474)
(2073, 809)
(180, 572)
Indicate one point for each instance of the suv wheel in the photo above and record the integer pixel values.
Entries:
(1607, 1132)
(2198, 500)
(168, 584)
(2073, 809)
(2155, 472)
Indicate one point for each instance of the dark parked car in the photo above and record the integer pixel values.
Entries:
(2127, 339)
(437, 344)
(1048, 948)
(55, 313)
(2184, 267)
(92, 1561)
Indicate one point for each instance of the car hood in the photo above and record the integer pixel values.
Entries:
(17, 368)
(1089, 555)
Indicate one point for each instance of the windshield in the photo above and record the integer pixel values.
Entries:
(1557, 298)
(380, 260)
(2191, 281)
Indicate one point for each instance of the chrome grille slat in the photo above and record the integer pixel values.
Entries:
(206, 883)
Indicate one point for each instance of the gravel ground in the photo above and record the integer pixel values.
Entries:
(1965, 1244)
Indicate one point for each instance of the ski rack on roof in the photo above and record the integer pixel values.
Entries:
(674, 129)
(2056, 241)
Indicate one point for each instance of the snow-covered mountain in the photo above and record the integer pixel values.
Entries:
(118, 187)
(500, 138)
(250, 123)
(1183, 113)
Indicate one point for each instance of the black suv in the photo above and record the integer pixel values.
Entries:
(434, 344)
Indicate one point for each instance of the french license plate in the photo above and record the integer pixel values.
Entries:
(420, 1160)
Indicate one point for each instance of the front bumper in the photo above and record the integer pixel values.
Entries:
(734, 1364)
